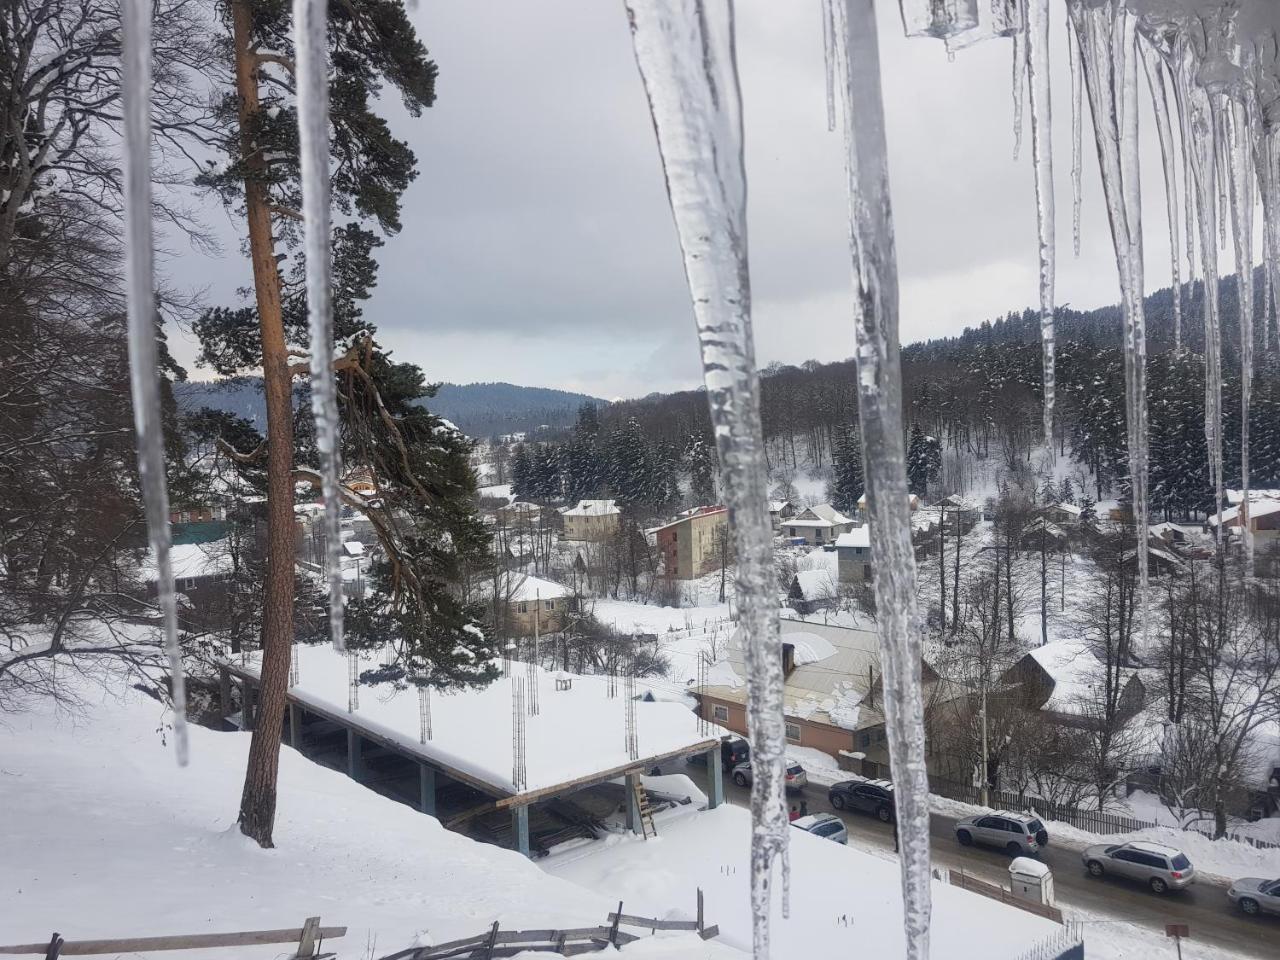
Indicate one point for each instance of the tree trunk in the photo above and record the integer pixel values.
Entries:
(258, 801)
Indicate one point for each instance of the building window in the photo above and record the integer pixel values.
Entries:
(864, 740)
(720, 713)
(523, 607)
(793, 732)
(550, 604)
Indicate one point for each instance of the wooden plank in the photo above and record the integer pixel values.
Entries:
(190, 941)
(307, 942)
(654, 924)
(708, 932)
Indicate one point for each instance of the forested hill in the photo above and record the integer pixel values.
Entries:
(478, 409)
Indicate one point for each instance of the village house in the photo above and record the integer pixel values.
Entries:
(780, 510)
(854, 552)
(519, 515)
(692, 545)
(1262, 514)
(913, 503)
(1064, 680)
(1043, 532)
(813, 590)
(591, 520)
(833, 698)
(818, 525)
(961, 514)
(361, 481)
(534, 605)
(1063, 514)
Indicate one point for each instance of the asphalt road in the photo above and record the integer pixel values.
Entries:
(1203, 906)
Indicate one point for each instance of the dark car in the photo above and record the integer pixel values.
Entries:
(733, 751)
(864, 796)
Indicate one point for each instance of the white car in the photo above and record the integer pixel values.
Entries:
(825, 825)
(1254, 895)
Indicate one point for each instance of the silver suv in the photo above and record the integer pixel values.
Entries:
(1255, 895)
(1015, 833)
(1159, 867)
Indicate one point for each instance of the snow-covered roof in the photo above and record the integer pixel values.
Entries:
(818, 584)
(191, 560)
(822, 511)
(815, 524)
(777, 506)
(578, 732)
(1050, 528)
(809, 647)
(1069, 508)
(525, 587)
(957, 502)
(1235, 497)
(857, 537)
(1076, 673)
(520, 506)
(1257, 508)
(354, 548)
(913, 501)
(688, 515)
(592, 508)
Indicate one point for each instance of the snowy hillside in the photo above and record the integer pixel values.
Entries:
(103, 836)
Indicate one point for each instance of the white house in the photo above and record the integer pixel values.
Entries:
(818, 525)
(591, 520)
(854, 550)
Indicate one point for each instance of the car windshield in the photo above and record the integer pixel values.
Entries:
(1035, 826)
(1180, 862)
(795, 770)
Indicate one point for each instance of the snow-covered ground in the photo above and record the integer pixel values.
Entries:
(104, 836)
(845, 902)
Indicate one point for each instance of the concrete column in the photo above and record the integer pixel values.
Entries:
(354, 767)
(295, 726)
(520, 828)
(633, 805)
(715, 778)
(427, 789)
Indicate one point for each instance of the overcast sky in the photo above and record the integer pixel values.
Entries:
(538, 247)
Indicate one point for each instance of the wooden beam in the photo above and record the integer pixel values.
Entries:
(190, 941)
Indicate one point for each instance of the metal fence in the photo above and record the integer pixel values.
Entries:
(1066, 944)
(1094, 821)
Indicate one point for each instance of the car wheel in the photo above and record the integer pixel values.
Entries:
(740, 779)
(1249, 906)
(1158, 885)
(885, 814)
(1013, 849)
(837, 801)
(1095, 868)
(965, 838)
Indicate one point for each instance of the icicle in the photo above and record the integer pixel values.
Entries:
(1077, 116)
(1160, 101)
(1037, 49)
(1108, 57)
(938, 18)
(143, 359)
(879, 378)
(685, 52)
(1223, 165)
(1240, 130)
(310, 22)
(1019, 65)
(828, 57)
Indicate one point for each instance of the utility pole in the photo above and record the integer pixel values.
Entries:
(986, 779)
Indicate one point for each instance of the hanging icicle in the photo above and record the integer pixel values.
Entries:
(353, 682)
(1077, 131)
(424, 711)
(1240, 132)
(1160, 101)
(685, 53)
(1036, 45)
(144, 368)
(1019, 70)
(879, 381)
(310, 22)
(828, 59)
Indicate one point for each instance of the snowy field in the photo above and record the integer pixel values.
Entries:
(844, 902)
(104, 836)
(471, 729)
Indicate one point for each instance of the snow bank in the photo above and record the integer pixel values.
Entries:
(104, 837)
(844, 902)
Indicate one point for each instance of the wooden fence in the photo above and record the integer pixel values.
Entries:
(308, 937)
(996, 892)
(496, 942)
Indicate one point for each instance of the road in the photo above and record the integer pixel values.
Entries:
(1203, 906)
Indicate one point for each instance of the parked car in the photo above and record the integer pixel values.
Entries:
(1017, 833)
(865, 796)
(1159, 867)
(1254, 895)
(825, 825)
(796, 777)
(733, 751)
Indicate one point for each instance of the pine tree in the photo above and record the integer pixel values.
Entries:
(1088, 515)
(371, 43)
(521, 470)
(847, 485)
(701, 458)
(924, 460)
(1067, 492)
(1049, 493)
